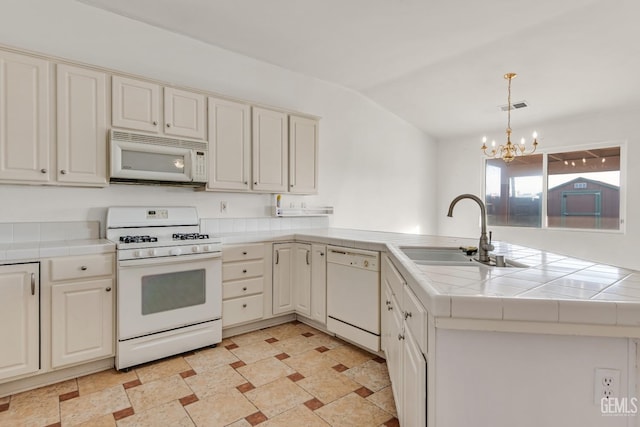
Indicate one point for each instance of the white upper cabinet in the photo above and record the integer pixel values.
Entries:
(24, 118)
(136, 104)
(303, 155)
(139, 105)
(270, 141)
(82, 125)
(184, 113)
(229, 145)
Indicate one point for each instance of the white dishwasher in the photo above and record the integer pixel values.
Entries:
(353, 295)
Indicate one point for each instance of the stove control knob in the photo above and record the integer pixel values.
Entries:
(195, 248)
(137, 254)
(175, 251)
(206, 248)
(153, 252)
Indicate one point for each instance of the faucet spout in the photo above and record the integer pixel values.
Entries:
(484, 245)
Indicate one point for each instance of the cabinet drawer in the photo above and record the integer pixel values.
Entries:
(242, 252)
(240, 288)
(392, 276)
(415, 318)
(242, 270)
(81, 267)
(242, 310)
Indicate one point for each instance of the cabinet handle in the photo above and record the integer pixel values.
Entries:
(400, 337)
(389, 308)
(43, 170)
(168, 125)
(83, 268)
(277, 257)
(407, 314)
(244, 252)
(308, 258)
(244, 305)
(244, 289)
(63, 172)
(155, 123)
(244, 271)
(33, 283)
(108, 289)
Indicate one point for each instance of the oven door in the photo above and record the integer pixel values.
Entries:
(160, 294)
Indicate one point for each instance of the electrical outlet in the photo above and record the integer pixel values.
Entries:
(606, 384)
(223, 207)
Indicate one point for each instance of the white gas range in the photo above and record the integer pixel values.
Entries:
(169, 297)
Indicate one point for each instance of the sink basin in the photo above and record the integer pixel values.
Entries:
(448, 256)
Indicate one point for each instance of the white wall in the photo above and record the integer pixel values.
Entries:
(460, 171)
(376, 169)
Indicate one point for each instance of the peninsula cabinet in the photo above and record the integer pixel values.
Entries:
(270, 150)
(140, 105)
(303, 155)
(229, 145)
(24, 118)
(19, 320)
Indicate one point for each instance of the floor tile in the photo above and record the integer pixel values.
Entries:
(277, 397)
(251, 337)
(286, 330)
(310, 362)
(105, 379)
(93, 405)
(371, 374)
(214, 382)
(210, 359)
(101, 421)
(383, 399)
(294, 345)
(39, 411)
(349, 355)
(328, 385)
(220, 410)
(298, 416)
(257, 418)
(171, 414)
(320, 339)
(162, 369)
(264, 371)
(240, 423)
(255, 351)
(352, 411)
(158, 392)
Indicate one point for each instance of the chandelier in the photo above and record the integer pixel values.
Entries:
(509, 151)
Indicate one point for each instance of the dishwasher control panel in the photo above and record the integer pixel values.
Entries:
(356, 258)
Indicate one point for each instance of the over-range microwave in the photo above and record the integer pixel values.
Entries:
(141, 159)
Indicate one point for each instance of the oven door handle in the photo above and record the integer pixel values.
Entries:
(168, 259)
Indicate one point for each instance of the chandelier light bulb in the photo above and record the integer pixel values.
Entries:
(535, 134)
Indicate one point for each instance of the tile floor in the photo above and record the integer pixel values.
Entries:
(287, 375)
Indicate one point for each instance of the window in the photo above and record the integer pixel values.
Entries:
(583, 190)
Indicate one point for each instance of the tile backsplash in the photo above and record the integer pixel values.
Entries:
(249, 225)
(18, 232)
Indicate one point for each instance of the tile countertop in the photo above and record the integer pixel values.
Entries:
(553, 288)
(34, 251)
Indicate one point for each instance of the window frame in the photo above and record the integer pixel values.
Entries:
(544, 220)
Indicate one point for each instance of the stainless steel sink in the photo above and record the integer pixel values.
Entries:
(449, 256)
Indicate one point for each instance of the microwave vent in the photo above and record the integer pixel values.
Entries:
(117, 135)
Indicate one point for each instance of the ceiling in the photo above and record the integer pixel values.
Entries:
(436, 63)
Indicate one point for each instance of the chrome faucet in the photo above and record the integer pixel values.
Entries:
(485, 244)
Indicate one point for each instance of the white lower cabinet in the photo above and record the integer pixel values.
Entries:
(283, 261)
(319, 283)
(81, 321)
(242, 283)
(404, 343)
(19, 320)
(302, 279)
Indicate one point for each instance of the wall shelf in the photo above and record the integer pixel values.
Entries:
(306, 211)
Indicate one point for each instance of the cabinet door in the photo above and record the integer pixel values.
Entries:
(414, 376)
(19, 319)
(303, 155)
(184, 113)
(283, 258)
(82, 125)
(386, 319)
(319, 283)
(24, 118)
(302, 279)
(135, 104)
(81, 322)
(395, 353)
(229, 145)
(270, 140)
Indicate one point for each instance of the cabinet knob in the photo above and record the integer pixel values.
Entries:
(244, 305)
(83, 268)
(63, 172)
(389, 308)
(321, 253)
(407, 314)
(155, 123)
(400, 337)
(43, 170)
(387, 302)
(244, 271)
(291, 186)
(168, 125)
(108, 289)
(244, 252)
(255, 183)
(245, 183)
(244, 289)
